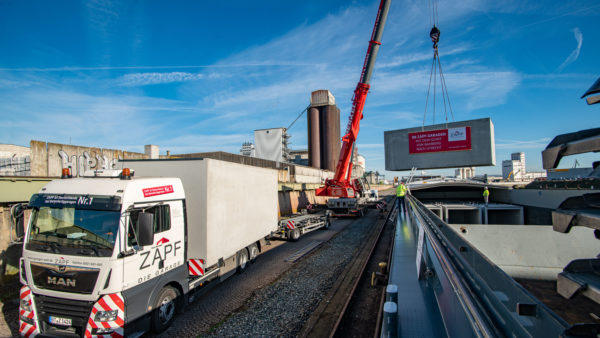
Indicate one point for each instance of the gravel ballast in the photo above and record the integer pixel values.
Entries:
(282, 308)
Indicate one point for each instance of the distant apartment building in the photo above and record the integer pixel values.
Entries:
(515, 169)
(248, 149)
(358, 165)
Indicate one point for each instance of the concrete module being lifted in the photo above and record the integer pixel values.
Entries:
(457, 144)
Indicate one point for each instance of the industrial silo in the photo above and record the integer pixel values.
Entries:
(314, 143)
(330, 136)
(323, 131)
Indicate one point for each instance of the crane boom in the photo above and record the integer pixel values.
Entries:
(341, 185)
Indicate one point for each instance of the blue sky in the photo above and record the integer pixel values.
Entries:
(194, 76)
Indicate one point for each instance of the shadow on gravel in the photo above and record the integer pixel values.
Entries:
(9, 302)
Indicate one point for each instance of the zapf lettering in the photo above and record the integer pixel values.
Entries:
(457, 134)
(159, 253)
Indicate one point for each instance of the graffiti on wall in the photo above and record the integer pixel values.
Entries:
(48, 159)
(78, 165)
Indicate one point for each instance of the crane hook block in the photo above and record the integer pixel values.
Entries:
(435, 35)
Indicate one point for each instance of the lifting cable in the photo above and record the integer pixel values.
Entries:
(436, 67)
(302, 112)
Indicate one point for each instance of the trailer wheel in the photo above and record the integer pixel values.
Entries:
(253, 250)
(294, 234)
(327, 223)
(242, 257)
(164, 309)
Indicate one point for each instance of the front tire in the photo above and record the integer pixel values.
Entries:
(164, 309)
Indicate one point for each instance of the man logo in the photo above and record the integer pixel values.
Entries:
(62, 268)
(62, 281)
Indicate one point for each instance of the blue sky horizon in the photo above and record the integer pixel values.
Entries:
(193, 77)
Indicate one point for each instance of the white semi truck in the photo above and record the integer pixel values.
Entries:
(115, 255)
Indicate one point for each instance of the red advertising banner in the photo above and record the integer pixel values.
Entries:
(433, 141)
(155, 191)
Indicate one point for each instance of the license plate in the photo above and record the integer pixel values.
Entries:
(61, 321)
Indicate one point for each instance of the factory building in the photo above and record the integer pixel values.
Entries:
(464, 173)
(299, 157)
(272, 144)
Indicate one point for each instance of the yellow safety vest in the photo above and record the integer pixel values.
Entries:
(486, 193)
(401, 190)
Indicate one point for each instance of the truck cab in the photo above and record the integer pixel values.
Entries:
(102, 252)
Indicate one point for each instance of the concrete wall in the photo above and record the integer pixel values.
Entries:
(482, 152)
(48, 159)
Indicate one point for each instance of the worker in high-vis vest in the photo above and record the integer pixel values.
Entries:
(486, 195)
(400, 193)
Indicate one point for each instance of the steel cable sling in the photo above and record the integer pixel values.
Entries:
(436, 65)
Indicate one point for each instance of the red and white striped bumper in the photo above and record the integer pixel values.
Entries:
(196, 267)
(27, 329)
(110, 302)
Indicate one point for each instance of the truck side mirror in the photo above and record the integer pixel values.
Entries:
(145, 229)
(17, 214)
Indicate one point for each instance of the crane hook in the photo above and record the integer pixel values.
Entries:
(435, 36)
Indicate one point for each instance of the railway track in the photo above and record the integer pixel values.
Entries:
(352, 307)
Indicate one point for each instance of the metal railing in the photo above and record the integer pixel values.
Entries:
(474, 297)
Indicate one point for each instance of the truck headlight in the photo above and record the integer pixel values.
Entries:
(106, 316)
(25, 305)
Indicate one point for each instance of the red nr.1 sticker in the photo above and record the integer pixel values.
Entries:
(155, 191)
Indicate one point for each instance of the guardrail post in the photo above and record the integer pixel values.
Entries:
(391, 293)
(390, 320)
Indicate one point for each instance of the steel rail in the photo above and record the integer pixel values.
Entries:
(321, 322)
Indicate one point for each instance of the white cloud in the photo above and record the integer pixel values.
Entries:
(575, 53)
(540, 143)
(142, 79)
(405, 59)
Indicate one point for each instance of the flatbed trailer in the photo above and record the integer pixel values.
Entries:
(292, 227)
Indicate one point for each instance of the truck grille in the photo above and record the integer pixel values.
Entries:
(78, 311)
(64, 278)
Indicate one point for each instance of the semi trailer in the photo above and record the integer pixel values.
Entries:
(119, 252)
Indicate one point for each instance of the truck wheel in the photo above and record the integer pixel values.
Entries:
(242, 257)
(253, 250)
(294, 234)
(164, 309)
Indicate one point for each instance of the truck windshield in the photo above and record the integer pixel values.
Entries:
(73, 231)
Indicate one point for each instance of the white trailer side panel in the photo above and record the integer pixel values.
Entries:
(242, 207)
(229, 205)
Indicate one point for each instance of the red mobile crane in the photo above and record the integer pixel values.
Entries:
(341, 185)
